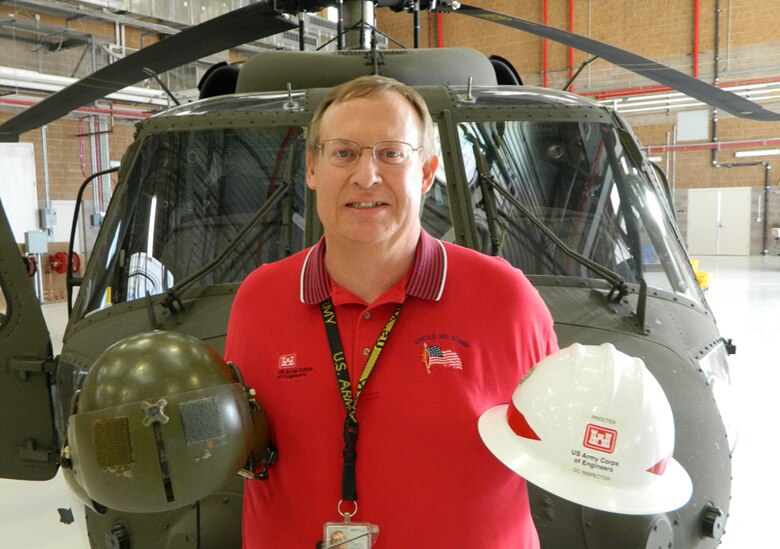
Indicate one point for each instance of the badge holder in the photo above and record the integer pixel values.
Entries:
(348, 534)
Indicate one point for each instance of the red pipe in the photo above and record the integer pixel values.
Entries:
(440, 29)
(117, 114)
(696, 18)
(544, 46)
(628, 92)
(571, 50)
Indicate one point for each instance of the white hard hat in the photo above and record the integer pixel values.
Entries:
(593, 426)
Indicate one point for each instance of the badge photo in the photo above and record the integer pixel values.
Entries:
(349, 535)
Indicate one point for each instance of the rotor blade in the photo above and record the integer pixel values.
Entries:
(711, 95)
(237, 27)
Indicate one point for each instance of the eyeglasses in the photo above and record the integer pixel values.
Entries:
(343, 152)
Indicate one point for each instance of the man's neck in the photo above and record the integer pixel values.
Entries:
(368, 270)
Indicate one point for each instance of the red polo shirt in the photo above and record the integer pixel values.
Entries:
(469, 328)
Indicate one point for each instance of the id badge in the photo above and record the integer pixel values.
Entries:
(349, 535)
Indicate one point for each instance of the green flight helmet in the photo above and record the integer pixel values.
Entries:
(160, 422)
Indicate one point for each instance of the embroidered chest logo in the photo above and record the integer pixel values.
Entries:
(287, 361)
(434, 355)
(289, 369)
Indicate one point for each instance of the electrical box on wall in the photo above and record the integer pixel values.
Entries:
(48, 217)
(36, 242)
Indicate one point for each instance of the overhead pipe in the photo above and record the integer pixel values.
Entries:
(41, 82)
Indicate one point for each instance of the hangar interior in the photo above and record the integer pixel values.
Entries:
(722, 170)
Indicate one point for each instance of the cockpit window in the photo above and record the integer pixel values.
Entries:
(580, 182)
(436, 216)
(187, 196)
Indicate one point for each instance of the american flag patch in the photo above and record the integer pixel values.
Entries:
(287, 361)
(434, 355)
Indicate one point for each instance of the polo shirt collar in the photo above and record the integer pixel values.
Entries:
(426, 278)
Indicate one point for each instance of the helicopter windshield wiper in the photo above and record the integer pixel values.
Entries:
(172, 300)
(618, 288)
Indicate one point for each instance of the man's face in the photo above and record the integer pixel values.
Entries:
(337, 537)
(366, 201)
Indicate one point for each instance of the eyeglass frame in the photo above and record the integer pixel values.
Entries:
(321, 147)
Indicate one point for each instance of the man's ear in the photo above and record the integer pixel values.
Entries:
(429, 173)
(310, 180)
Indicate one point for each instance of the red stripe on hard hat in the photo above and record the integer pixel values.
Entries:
(660, 467)
(519, 424)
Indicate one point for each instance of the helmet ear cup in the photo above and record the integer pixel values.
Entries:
(592, 425)
(160, 422)
(262, 454)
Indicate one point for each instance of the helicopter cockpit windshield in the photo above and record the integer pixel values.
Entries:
(187, 196)
(565, 197)
(580, 181)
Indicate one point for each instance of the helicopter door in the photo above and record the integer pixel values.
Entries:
(27, 440)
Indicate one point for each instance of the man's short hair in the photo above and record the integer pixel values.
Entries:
(372, 86)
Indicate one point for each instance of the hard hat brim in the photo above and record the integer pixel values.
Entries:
(662, 493)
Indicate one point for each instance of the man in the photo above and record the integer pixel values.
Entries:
(382, 326)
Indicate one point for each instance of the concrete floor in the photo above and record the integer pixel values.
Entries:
(745, 295)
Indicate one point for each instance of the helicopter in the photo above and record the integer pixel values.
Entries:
(553, 182)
